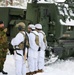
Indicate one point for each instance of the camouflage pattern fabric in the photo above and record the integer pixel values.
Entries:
(3, 48)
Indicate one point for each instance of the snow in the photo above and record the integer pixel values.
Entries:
(61, 67)
(53, 59)
(60, 0)
(71, 12)
(23, 3)
(65, 10)
(67, 23)
(17, 7)
(16, 4)
(48, 1)
(60, 11)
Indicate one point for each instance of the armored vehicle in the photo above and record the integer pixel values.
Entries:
(57, 20)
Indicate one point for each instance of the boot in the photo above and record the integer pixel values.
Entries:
(40, 71)
(0, 70)
(28, 73)
(35, 72)
(31, 73)
(5, 73)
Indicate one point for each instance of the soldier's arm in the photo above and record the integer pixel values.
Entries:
(25, 55)
(17, 40)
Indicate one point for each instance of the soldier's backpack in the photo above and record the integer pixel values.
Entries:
(44, 36)
(25, 43)
(36, 38)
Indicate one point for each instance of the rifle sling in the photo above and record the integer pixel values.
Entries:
(18, 53)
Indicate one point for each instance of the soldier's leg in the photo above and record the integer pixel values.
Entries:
(2, 58)
(18, 62)
(36, 65)
(41, 60)
(1, 66)
(4, 53)
(31, 65)
(41, 63)
(24, 67)
(18, 67)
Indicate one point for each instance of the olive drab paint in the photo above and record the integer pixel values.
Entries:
(3, 48)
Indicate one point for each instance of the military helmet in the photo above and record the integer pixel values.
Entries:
(31, 26)
(20, 25)
(38, 26)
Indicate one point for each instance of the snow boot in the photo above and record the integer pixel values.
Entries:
(35, 72)
(30, 73)
(5, 73)
(40, 71)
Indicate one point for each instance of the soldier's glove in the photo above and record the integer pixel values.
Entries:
(39, 49)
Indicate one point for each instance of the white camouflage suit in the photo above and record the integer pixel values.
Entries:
(32, 52)
(42, 44)
(20, 65)
(41, 53)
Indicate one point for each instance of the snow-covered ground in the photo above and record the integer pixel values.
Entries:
(59, 68)
(23, 3)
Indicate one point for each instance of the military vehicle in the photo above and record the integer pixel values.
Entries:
(57, 19)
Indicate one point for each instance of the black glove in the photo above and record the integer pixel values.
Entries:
(39, 49)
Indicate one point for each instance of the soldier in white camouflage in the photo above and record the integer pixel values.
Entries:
(20, 44)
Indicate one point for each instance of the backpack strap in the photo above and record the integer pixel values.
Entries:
(26, 39)
(44, 36)
(36, 38)
(21, 45)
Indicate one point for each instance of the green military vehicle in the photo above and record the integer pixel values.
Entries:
(57, 20)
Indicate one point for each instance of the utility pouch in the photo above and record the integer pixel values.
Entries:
(21, 46)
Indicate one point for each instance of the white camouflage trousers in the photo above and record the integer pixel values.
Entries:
(20, 65)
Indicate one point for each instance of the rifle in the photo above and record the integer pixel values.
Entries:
(26, 45)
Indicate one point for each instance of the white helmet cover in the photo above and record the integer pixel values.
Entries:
(38, 26)
(31, 26)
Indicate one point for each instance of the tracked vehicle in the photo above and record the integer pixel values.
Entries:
(57, 19)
